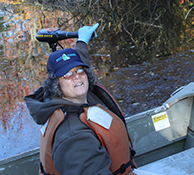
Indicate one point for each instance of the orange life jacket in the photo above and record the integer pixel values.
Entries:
(46, 140)
(114, 139)
(113, 148)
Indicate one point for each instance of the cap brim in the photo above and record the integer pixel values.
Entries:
(66, 68)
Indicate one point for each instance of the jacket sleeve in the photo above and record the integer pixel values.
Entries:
(82, 49)
(82, 154)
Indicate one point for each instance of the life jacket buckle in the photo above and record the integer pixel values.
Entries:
(123, 168)
(133, 152)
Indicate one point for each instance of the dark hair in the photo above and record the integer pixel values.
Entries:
(52, 87)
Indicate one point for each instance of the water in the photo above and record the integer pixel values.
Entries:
(23, 68)
(21, 136)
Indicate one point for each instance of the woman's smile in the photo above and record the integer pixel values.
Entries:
(74, 85)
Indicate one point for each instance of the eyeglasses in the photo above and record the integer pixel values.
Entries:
(70, 74)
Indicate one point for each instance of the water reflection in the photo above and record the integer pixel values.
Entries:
(23, 63)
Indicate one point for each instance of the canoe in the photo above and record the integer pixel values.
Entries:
(160, 136)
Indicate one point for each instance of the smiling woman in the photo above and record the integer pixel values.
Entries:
(73, 140)
(77, 83)
(63, 64)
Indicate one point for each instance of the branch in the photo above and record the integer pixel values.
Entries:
(188, 12)
(129, 11)
(110, 4)
(129, 34)
(148, 24)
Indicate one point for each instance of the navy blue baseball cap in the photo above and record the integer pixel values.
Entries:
(62, 61)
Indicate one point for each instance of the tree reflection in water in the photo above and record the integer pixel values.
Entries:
(23, 69)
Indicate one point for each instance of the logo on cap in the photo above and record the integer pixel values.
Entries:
(64, 57)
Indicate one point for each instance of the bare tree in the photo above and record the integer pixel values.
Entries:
(130, 30)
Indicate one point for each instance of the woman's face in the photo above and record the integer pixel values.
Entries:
(74, 85)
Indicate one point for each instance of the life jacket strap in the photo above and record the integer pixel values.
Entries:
(123, 168)
(42, 170)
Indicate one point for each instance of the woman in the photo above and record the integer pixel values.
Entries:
(75, 137)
